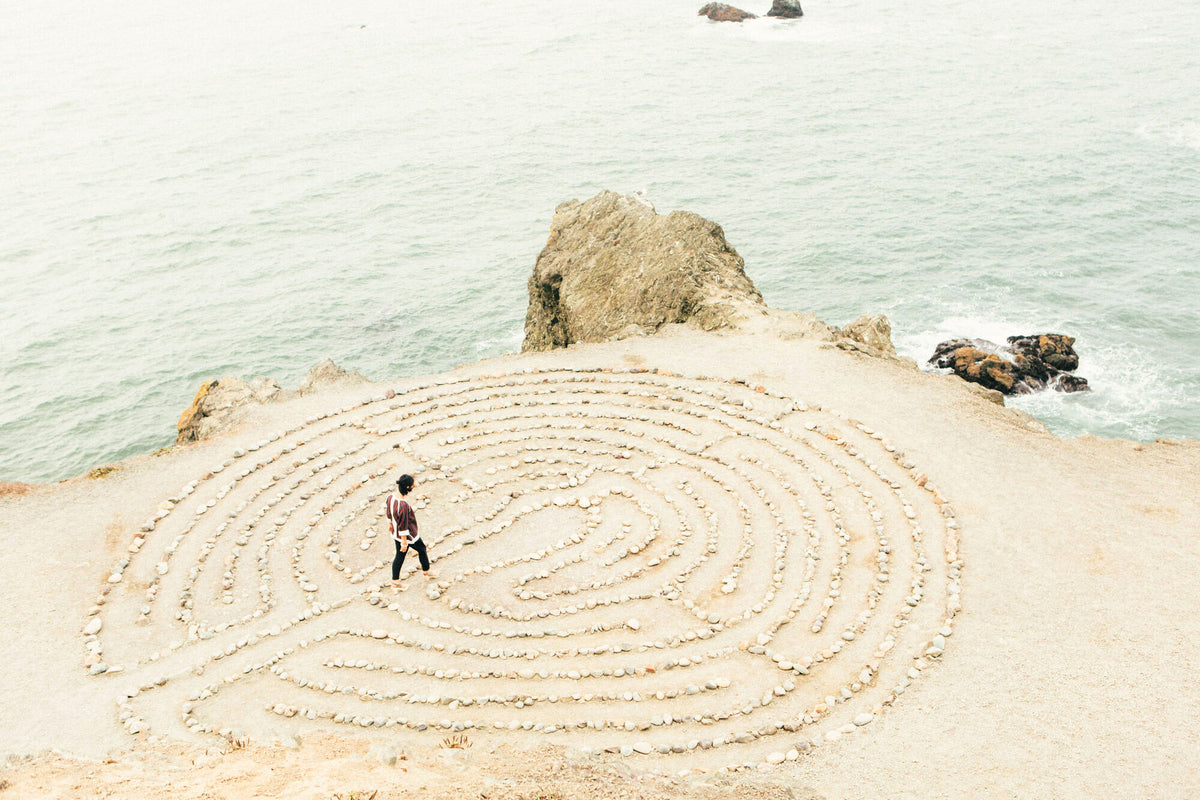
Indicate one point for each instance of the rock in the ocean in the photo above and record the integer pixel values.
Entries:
(787, 9)
(218, 403)
(1028, 364)
(720, 12)
(1056, 350)
(613, 267)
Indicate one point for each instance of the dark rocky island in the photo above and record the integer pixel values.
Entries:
(1028, 364)
(786, 9)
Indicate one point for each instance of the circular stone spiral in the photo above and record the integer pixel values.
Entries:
(629, 561)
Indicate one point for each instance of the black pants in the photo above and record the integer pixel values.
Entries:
(419, 546)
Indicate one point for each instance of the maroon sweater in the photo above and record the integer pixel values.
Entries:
(401, 519)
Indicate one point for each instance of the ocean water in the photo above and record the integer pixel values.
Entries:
(192, 190)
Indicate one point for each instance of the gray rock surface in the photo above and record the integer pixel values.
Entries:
(613, 267)
(788, 9)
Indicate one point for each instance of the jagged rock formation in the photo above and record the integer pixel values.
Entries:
(1028, 364)
(327, 373)
(218, 404)
(787, 9)
(872, 331)
(614, 268)
(720, 12)
(222, 404)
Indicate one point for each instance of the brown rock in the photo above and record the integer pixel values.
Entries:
(1028, 364)
(720, 12)
(1054, 349)
(613, 268)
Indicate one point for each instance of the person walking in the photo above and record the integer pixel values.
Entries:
(402, 524)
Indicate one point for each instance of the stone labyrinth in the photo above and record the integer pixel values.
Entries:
(630, 562)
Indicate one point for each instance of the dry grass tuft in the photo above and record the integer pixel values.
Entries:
(100, 472)
(458, 741)
(356, 795)
(236, 743)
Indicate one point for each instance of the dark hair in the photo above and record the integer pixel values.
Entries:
(405, 483)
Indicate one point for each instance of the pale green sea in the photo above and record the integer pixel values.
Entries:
(199, 189)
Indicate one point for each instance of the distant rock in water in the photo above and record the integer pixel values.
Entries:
(720, 12)
(613, 267)
(787, 9)
(1028, 364)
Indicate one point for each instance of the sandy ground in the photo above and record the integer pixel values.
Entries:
(1070, 672)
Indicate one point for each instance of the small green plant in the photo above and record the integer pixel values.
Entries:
(100, 472)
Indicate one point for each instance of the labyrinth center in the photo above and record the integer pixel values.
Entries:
(628, 561)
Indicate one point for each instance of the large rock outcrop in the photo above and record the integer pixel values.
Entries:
(614, 268)
(720, 12)
(786, 9)
(1028, 364)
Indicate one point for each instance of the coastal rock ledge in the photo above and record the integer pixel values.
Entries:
(614, 268)
(222, 404)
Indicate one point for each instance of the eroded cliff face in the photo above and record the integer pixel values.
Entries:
(613, 267)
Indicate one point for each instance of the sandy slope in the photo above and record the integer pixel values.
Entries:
(1071, 671)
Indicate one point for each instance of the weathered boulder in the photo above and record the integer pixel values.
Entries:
(326, 374)
(1027, 364)
(787, 9)
(1056, 350)
(872, 330)
(219, 404)
(720, 12)
(612, 267)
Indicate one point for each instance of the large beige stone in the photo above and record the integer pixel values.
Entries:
(872, 330)
(613, 267)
